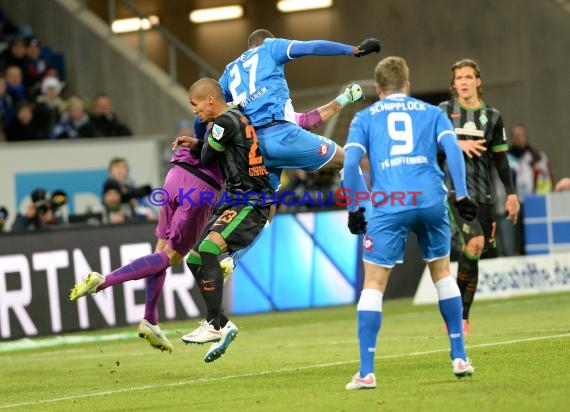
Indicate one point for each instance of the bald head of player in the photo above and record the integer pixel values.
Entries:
(257, 37)
(206, 99)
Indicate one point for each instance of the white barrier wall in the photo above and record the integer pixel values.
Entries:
(507, 277)
(79, 167)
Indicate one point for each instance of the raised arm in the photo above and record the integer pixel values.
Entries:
(317, 117)
(330, 48)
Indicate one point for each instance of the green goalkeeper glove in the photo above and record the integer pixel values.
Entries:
(352, 93)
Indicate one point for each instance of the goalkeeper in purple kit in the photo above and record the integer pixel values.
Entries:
(180, 223)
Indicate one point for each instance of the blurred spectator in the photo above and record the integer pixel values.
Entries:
(14, 55)
(7, 110)
(118, 176)
(34, 66)
(22, 127)
(106, 123)
(8, 31)
(3, 217)
(74, 123)
(49, 106)
(114, 210)
(532, 171)
(118, 171)
(15, 84)
(41, 211)
(562, 185)
(53, 72)
(58, 202)
(532, 174)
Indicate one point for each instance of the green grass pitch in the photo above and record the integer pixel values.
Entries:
(301, 360)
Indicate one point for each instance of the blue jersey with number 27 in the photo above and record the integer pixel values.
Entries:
(400, 134)
(256, 81)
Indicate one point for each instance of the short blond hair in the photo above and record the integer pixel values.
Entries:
(116, 160)
(392, 74)
(75, 101)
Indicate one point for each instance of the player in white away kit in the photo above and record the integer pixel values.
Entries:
(401, 136)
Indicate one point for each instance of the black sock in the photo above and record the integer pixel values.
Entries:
(223, 319)
(194, 263)
(467, 278)
(212, 287)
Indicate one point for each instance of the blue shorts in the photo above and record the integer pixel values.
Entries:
(288, 146)
(385, 240)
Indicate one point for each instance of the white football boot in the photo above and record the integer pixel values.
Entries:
(462, 368)
(204, 333)
(217, 349)
(368, 382)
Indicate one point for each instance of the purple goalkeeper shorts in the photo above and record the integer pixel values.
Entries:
(183, 217)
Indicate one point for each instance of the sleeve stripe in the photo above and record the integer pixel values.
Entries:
(289, 50)
(215, 145)
(355, 145)
(445, 132)
(500, 148)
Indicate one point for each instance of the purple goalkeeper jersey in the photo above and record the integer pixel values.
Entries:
(184, 155)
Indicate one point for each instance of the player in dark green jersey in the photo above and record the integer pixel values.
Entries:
(232, 141)
(481, 135)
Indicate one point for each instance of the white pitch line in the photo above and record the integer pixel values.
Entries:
(275, 371)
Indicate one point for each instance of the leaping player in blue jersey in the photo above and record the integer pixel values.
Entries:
(401, 136)
(255, 81)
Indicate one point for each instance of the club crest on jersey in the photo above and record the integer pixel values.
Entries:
(483, 119)
(324, 149)
(217, 132)
(368, 243)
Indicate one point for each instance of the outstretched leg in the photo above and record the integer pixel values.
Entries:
(139, 268)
